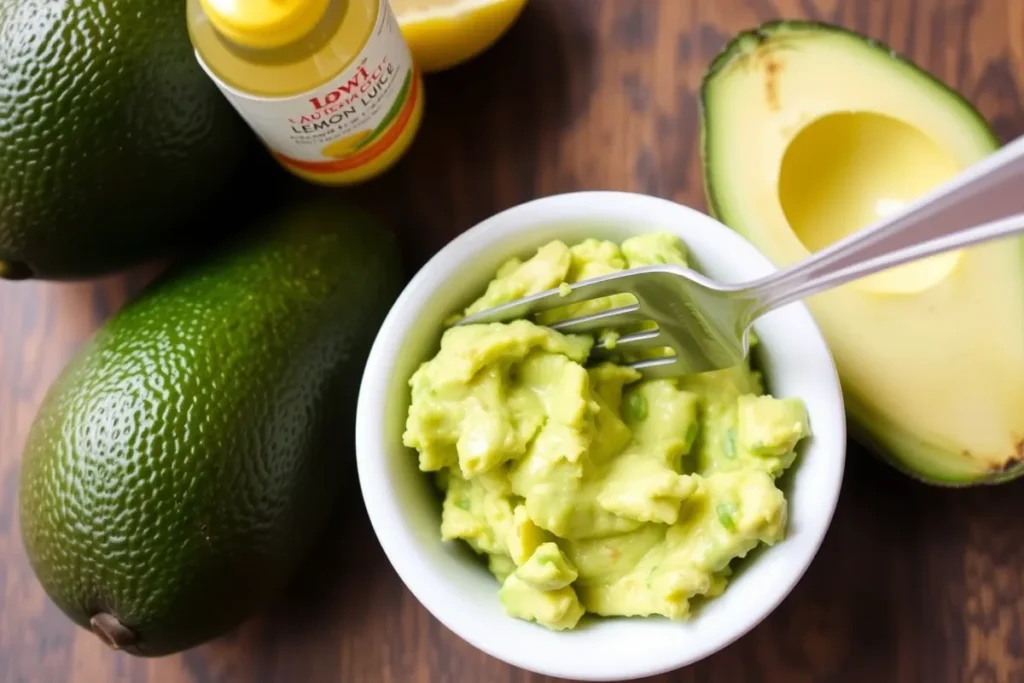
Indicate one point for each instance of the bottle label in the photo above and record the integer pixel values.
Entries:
(351, 119)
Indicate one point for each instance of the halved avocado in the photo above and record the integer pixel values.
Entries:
(811, 132)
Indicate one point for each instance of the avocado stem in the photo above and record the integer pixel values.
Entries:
(14, 270)
(111, 631)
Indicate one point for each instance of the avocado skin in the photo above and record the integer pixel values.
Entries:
(114, 144)
(184, 462)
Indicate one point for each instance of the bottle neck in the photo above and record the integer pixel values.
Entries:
(257, 26)
(301, 47)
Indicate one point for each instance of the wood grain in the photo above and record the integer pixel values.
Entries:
(912, 584)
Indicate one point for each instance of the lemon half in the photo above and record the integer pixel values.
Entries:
(443, 33)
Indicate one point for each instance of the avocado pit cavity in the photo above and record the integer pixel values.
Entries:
(846, 170)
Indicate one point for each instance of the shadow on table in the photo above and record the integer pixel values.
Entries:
(344, 578)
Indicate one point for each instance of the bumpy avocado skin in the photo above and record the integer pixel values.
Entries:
(115, 146)
(185, 461)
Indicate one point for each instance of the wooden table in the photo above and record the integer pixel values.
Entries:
(912, 584)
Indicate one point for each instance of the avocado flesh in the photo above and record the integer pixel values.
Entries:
(186, 459)
(809, 133)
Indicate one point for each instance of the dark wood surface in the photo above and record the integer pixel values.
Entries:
(913, 584)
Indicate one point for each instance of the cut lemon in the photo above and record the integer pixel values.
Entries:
(443, 33)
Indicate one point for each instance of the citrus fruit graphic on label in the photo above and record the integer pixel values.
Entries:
(347, 144)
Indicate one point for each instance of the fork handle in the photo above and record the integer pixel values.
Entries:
(984, 202)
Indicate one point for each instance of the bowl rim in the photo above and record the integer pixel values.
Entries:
(373, 398)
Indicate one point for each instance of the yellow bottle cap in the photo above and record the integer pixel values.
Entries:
(264, 23)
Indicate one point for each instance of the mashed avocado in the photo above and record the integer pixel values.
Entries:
(585, 487)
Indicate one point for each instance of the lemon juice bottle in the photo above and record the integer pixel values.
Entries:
(328, 85)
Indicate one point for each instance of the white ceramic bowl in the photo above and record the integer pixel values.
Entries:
(405, 511)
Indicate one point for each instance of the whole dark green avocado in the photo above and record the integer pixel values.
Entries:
(115, 146)
(186, 459)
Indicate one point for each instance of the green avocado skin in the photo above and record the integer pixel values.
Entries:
(115, 146)
(184, 462)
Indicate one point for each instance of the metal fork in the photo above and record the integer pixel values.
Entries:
(706, 324)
